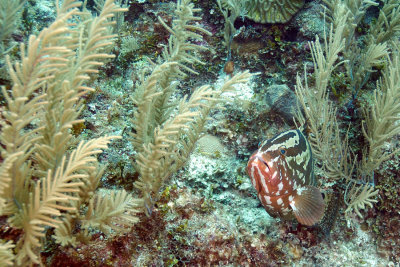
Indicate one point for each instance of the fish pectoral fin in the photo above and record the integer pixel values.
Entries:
(308, 205)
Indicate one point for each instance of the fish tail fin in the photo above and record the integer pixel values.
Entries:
(333, 201)
(308, 205)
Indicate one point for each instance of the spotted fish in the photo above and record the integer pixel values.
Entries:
(282, 172)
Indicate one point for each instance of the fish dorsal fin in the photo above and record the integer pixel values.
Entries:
(308, 205)
(304, 129)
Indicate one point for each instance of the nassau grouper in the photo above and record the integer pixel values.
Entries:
(281, 170)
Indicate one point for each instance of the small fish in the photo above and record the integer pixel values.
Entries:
(282, 172)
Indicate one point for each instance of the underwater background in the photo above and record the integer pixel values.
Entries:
(174, 189)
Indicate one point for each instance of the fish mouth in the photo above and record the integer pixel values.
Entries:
(263, 161)
(272, 173)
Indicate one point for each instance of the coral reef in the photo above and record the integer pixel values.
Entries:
(174, 190)
(272, 11)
